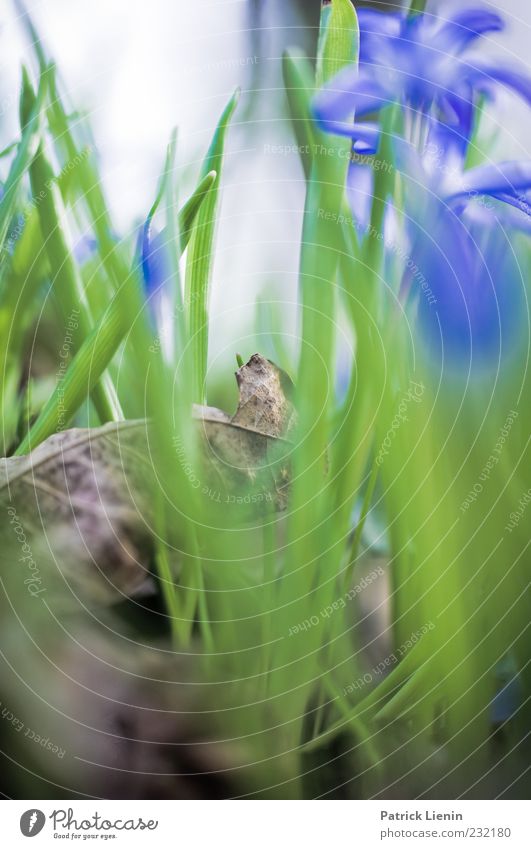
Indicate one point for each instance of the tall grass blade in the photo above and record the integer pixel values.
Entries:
(201, 255)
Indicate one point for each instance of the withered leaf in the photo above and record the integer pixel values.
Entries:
(264, 404)
(79, 506)
(248, 452)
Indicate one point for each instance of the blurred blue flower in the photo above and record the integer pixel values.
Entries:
(460, 225)
(85, 249)
(421, 62)
(156, 272)
(460, 265)
(159, 282)
(472, 271)
(509, 693)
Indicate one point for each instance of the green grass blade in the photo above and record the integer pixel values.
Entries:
(85, 370)
(26, 151)
(68, 286)
(188, 213)
(299, 86)
(85, 181)
(200, 255)
(298, 83)
(322, 245)
(339, 40)
(95, 353)
(417, 7)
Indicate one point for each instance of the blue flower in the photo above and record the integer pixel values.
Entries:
(153, 261)
(421, 62)
(159, 282)
(508, 699)
(155, 267)
(458, 222)
(85, 249)
(476, 320)
(460, 225)
(459, 267)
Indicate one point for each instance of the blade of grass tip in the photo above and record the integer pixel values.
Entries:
(299, 84)
(32, 34)
(324, 19)
(9, 149)
(201, 254)
(67, 283)
(92, 358)
(27, 148)
(58, 122)
(175, 248)
(339, 40)
(189, 211)
(172, 249)
(85, 176)
(81, 376)
(300, 88)
(188, 214)
(9, 329)
(85, 173)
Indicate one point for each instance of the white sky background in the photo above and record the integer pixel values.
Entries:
(140, 68)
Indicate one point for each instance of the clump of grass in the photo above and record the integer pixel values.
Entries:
(233, 592)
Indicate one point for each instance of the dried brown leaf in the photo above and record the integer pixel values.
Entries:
(248, 452)
(76, 503)
(80, 505)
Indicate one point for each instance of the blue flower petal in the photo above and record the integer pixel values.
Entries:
(450, 142)
(478, 317)
(373, 27)
(154, 265)
(520, 201)
(379, 23)
(514, 214)
(85, 249)
(460, 105)
(417, 60)
(349, 93)
(510, 178)
(465, 26)
(483, 76)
